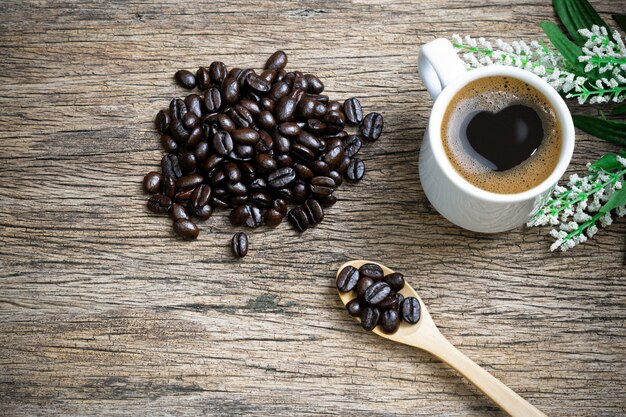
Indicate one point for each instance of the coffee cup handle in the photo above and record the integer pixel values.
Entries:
(439, 65)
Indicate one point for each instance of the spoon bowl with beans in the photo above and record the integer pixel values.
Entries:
(424, 334)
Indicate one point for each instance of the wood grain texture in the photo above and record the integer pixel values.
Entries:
(104, 311)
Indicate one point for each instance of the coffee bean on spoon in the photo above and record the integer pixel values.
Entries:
(395, 281)
(376, 293)
(373, 271)
(370, 318)
(390, 321)
(347, 279)
(410, 310)
(355, 307)
(362, 286)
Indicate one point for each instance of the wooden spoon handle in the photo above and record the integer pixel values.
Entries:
(499, 393)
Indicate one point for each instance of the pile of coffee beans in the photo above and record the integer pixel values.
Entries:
(378, 299)
(253, 143)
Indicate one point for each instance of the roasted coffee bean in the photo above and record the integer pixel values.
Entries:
(283, 193)
(390, 321)
(242, 152)
(213, 100)
(268, 104)
(279, 90)
(189, 181)
(258, 184)
(186, 229)
(410, 310)
(281, 177)
(303, 172)
(395, 281)
(376, 293)
(257, 83)
(334, 122)
(255, 219)
(201, 195)
(194, 105)
(352, 145)
(201, 212)
(159, 203)
(315, 125)
(232, 172)
(356, 169)
(152, 182)
(284, 161)
(217, 176)
(178, 131)
(212, 162)
(243, 76)
(334, 156)
(355, 307)
(222, 143)
(372, 126)
(183, 195)
(314, 85)
(337, 177)
(370, 318)
(217, 72)
(327, 200)
(239, 244)
(201, 152)
(241, 116)
(226, 123)
(392, 301)
(347, 278)
(195, 137)
(334, 106)
(277, 61)
(245, 135)
(343, 166)
(362, 286)
(177, 109)
(169, 144)
(203, 78)
(289, 129)
(237, 188)
(314, 212)
(302, 154)
(261, 199)
(305, 109)
(265, 120)
(285, 109)
(185, 78)
(218, 203)
(299, 191)
(239, 215)
(265, 143)
(273, 217)
(170, 166)
(333, 142)
(230, 91)
(178, 211)
(298, 219)
(234, 73)
(265, 163)
(373, 271)
(353, 111)
(169, 186)
(250, 105)
(237, 200)
(269, 75)
(187, 162)
(310, 141)
(281, 143)
(162, 121)
(322, 186)
(248, 171)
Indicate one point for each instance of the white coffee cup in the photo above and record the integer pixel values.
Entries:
(461, 202)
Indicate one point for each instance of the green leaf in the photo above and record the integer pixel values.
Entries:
(621, 109)
(609, 130)
(567, 48)
(608, 162)
(618, 199)
(577, 14)
(620, 19)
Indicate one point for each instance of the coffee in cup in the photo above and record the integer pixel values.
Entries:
(501, 135)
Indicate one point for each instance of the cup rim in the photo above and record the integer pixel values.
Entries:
(562, 113)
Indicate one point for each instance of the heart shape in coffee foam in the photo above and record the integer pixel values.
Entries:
(507, 138)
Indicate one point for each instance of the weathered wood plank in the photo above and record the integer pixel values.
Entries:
(104, 311)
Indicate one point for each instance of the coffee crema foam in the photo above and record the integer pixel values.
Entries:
(494, 94)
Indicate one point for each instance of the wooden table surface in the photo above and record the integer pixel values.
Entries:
(104, 311)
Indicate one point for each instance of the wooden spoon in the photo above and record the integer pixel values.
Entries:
(425, 335)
